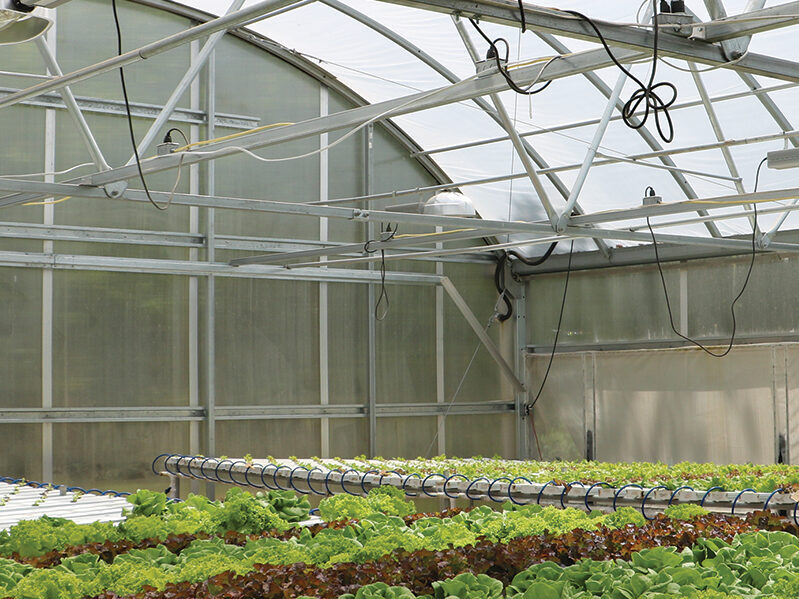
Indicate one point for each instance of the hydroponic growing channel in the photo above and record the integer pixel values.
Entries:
(648, 487)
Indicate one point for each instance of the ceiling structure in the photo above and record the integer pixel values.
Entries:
(561, 164)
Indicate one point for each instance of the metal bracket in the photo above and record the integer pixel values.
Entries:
(116, 189)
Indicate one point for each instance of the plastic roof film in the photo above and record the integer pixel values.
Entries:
(379, 69)
(560, 122)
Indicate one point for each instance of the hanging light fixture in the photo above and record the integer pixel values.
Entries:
(18, 25)
(448, 202)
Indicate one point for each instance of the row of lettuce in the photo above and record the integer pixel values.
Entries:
(700, 477)
(719, 564)
(383, 546)
(758, 564)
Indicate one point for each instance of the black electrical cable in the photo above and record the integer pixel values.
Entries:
(494, 53)
(383, 297)
(538, 261)
(522, 17)
(531, 405)
(168, 136)
(737, 297)
(127, 109)
(499, 283)
(645, 94)
(499, 275)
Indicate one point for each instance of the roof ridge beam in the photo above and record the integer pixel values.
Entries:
(558, 22)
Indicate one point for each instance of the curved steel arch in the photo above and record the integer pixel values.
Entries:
(310, 69)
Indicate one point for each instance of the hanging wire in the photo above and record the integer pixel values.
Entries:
(441, 424)
(382, 300)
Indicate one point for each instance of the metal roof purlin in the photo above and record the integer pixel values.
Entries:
(450, 76)
(645, 134)
(507, 124)
(463, 90)
(506, 12)
(754, 19)
(357, 214)
(756, 91)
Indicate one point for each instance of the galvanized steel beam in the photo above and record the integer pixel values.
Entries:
(137, 109)
(557, 22)
(749, 22)
(148, 51)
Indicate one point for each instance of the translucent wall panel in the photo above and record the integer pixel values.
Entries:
(768, 306)
(603, 306)
(21, 455)
(675, 405)
(279, 438)
(349, 436)
(393, 170)
(627, 305)
(115, 455)
(120, 339)
(481, 435)
(112, 135)
(267, 342)
(406, 437)
(25, 126)
(150, 81)
(406, 346)
(20, 338)
(483, 382)
(274, 92)
(348, 343)
(560, 415)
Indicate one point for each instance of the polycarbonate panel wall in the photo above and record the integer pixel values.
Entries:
(109, 346)
(619, 306)
(670, 405)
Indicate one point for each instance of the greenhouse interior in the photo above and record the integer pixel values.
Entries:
(399, 299)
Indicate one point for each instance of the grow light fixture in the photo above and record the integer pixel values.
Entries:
(784, 159)
(447, 202)
(18, 25)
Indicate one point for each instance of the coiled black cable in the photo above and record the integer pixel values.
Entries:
(646, 94)
(493, 52)
(499, 275)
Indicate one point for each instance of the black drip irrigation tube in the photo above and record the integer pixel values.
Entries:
(359, 478)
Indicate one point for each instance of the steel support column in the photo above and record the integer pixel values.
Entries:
(210, 289)
(369, 176)
(520, 369)
(49, 41)
(324, 345)
(194, 282)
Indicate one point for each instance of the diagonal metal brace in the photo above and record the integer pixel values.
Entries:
(461, 304)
